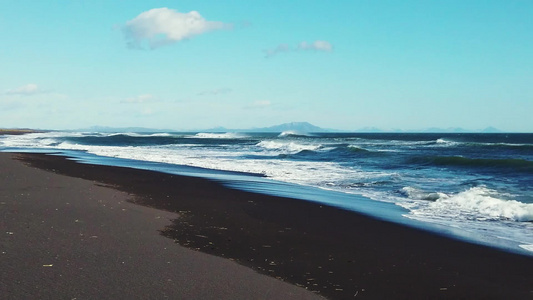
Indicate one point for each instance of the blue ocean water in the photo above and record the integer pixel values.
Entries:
(475, 187)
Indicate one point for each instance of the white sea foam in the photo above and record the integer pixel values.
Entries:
(288, 147)
(293, 133)
(37, 140)
(477, 203)
(136, 134)
(417, 194)
(477, 212)
(445, 143)
(527, 247)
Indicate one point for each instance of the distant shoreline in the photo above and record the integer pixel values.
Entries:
(18, 131)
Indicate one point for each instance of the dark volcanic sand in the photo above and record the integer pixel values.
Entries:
(17, 131)
(340, 254)
(67, 238)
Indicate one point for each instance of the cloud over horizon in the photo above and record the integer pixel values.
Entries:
(316, 45)
(219, 91)
(25, 90)
(322, 46)
(164, 26)
(139, 99)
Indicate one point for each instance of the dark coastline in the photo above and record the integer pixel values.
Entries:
(18, 131)
(338, 253)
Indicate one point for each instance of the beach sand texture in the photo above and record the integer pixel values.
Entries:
(98, 233)
(70, 238)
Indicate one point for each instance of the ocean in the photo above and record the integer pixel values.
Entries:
(473, 187)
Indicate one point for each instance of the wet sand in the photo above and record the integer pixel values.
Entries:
(335, 253)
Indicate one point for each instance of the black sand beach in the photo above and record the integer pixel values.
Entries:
(100, 245)
(69, 238)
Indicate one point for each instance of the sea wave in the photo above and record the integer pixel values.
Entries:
(357, 149)
(292, 133)
(418, 194)
(477, 203)
(516, 164)
(446, 143)
(135, 134)
(226, 135)
(288, 147)
(122, 139)
(509, 146)
(352, 151)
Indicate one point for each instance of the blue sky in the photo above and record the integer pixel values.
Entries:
(239, 64)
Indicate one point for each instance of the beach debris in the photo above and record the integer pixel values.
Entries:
(10, 232)
(443, 289)
(48, 265)
(202, 236)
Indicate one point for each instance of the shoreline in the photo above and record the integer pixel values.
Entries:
(18, 131)
(335, 252)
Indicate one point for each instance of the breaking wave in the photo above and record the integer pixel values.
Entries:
(292, 133)
(477, 203)
(226, 135)
(290, 147)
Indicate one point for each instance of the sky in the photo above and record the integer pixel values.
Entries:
(188, 65)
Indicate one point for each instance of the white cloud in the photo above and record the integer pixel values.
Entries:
(279, 49)
(316, 45)
(322, 46)
(259, 104)
(25, 90)
(219, 91)
(164, 26)
(139, 99)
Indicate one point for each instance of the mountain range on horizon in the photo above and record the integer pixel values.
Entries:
(302, 127)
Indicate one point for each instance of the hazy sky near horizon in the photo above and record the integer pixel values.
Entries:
(240, 64)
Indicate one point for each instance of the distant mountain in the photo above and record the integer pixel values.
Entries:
(299, 127)
(448, 130)
(491, 129)
(293, 126)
